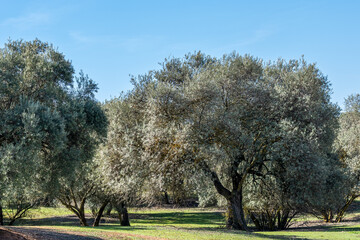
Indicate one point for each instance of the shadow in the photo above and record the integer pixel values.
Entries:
(198, 218)
(274, 236)
(201, 218)
(246, 234)
(40, 233)
(69, 220)
(211, 222)
(328, 228)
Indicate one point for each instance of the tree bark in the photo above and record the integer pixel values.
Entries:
(238, 216)
(327, 215)
(123, 215)
(341, 213)
(78, 211)
(108, 210)
(100, 213)
(20, 212)
(81, 215)
(166, 198)
(1, 216)
(76, 204)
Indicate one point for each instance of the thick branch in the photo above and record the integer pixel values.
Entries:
(214, 177)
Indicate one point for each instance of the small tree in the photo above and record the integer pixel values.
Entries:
(86, 127)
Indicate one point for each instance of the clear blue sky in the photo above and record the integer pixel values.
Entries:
(109, 40)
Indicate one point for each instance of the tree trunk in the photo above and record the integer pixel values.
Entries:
(12, 222)
(327, 215)
(123, 215)
(82, 219)
(79, 212)
(284, 218)
(1, 216)
(237, 216)
(100, 213)
(229, 216)
(341, 213)
(108, 210)
(255, 221)
(166, 198)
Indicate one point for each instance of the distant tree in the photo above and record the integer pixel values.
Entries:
(348, 145)
(121, 170)
(85, 126)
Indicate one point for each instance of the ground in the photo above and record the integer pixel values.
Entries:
(191, 223)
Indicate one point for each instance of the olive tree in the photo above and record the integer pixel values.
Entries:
(85, 127)
(48, 125)
(230, 118)
(307, 122)
(34, 78)
(121, 169)
(349, 149)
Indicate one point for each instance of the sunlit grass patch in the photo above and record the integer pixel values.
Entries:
(181, 224)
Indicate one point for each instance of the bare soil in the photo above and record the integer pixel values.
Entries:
(9, 235)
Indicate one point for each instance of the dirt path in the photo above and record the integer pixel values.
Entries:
(9, 235)
(23, 233)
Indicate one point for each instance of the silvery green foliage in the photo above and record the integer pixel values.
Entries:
(305, 172)
(126, 167)
(47, 125)
(240, 121)
(34, 79)
(120, 158)
(307, 122)
(347, 146)
(348, 140)
(86, 128)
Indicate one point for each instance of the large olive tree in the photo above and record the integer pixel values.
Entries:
(231, 119)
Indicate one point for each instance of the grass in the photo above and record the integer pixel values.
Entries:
(177, 224)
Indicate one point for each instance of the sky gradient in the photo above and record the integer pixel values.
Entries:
(110, 40)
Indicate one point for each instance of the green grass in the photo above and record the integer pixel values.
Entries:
(178, 224)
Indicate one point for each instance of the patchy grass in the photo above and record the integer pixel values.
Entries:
(180, 224)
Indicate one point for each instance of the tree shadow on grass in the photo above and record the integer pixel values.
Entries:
(40, 233)
(198, 221)
(72, 221)
(243, 233)
(200, 218)
(327, 228)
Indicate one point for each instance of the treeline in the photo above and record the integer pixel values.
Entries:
(261, 139)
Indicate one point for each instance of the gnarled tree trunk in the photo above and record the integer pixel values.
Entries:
(237, 216)
(100, 213)
(76, 205)
(235, 213)
(341, 213)
(327, 215)
(20, 212)
(109, 209)
(123, 214)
